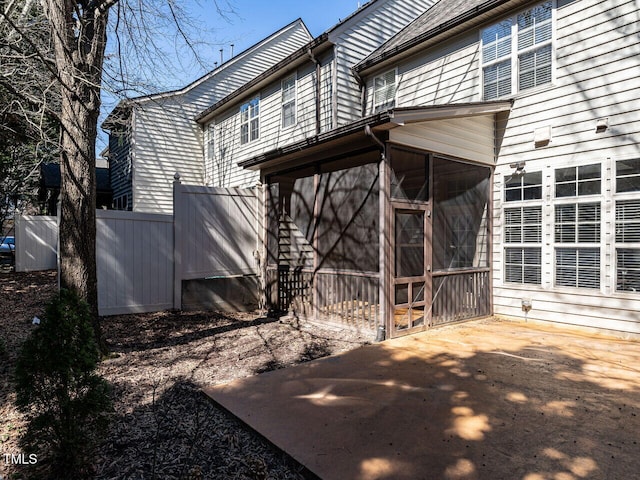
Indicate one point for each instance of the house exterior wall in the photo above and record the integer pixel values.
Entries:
(596, 60)
(357, 38)
(227, 149)
(597, 55)
(168, 140)
(120, 165)
(469, 138)
(340, 99)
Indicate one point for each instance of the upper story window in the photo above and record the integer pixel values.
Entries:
(523, 187)
(627, 233)
(628, 175)
(384, 90)
(249, 121)
(289, 101)
(517, 52)
(578, 181)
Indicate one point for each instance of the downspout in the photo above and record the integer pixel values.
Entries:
(383, 147)
(318, 84)
(381, 333)
(362, 85)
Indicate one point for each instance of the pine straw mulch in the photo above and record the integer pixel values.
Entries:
(163, 426)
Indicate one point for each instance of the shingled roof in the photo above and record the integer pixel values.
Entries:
(440, 18)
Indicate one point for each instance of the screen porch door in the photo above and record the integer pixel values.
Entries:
(411, 267)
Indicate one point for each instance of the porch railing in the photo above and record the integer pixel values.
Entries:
(344, 297)
(460, 296)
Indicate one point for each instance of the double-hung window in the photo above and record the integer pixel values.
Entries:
(578, 224)
(249, 121)
(627, 238)
(289, 101)
(517, 53)
(384, 91)
(523, 229)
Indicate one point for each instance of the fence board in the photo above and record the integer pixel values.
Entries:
(219, 230)
(134, 257)
(36, 243)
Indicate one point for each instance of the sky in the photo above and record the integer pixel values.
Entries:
(249, 22)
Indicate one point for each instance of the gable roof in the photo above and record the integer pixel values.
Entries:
(316, 45)
(291, 62)
(128, 103)
(445, 17)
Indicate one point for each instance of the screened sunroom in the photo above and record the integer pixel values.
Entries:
(382, 225)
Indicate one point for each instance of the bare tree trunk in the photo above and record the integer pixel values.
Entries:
(79, 32)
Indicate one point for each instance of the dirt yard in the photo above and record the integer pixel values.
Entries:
(163, 426)
(503, 402)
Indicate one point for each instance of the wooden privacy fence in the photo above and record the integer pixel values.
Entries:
(143, 258)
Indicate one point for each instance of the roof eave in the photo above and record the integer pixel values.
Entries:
(407, 48)
(384, 120)
(317, 45)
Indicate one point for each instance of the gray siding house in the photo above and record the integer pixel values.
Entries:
(483, 160)
(565, 213)
(311, 91)
(153, 137)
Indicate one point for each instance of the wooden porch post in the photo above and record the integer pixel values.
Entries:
(385, 244)
(177, 243)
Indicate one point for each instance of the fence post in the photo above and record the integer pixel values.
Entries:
(177, 243)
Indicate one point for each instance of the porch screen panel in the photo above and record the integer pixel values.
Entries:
(296, 197)
(409, 175)
(273, 217)
(348, 236)
(461, 215)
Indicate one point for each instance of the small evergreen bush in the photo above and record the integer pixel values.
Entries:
(66, 402)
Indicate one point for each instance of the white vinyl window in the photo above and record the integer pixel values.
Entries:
(578, 181)
(289, 101)
(249, 121)
(517, 53)
(523, 235)
(384, 90)
(627, 236)
(523, 187)
(577, 227)
(211, 135)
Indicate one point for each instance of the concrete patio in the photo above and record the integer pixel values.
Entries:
(487, 399)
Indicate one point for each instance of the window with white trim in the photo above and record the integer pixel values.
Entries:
(211, 135)
(627, 236)
(523, 234)
(578, 181)
(249, 121)
(517, 53)
(289, 101)
(523, 187)
(384, 90)
(577, 227)
(523, 228)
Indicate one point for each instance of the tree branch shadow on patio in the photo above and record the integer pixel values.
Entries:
(525, 411)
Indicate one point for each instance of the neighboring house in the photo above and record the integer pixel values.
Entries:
(310, 92)
(153, 137)
(508, 179)
(49, 188)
